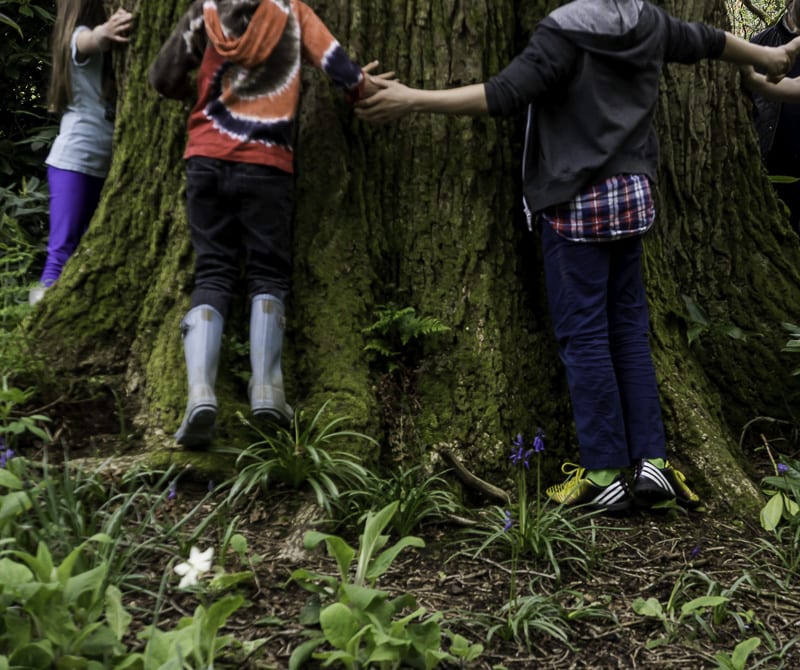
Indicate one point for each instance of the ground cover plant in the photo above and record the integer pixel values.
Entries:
(115, 567)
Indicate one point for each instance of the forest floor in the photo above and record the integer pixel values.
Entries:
(672, 557)
(586, 619)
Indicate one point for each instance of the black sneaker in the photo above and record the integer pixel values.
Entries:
(578, 490)
(653, 485)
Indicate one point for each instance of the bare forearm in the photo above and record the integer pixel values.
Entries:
(92, 41)
(464, 100)
(775, 62)
(786, 90)
(741, 51)
(101, 37)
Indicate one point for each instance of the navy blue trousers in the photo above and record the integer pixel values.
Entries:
(600, 318)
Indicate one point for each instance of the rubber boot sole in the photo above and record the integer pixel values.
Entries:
(272, 415)
(197, 429)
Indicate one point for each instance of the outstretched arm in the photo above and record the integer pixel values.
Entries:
(394, 99)
(785, 90)
(101, 37)
(775, 62)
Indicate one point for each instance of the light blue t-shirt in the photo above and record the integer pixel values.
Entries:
(84, 136)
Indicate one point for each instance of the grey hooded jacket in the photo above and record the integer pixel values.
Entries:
(591, 73)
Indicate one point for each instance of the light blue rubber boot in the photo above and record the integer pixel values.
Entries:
(267, 396)
(202, 338)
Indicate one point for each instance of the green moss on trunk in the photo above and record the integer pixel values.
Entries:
(424, 212)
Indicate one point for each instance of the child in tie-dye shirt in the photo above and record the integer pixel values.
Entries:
(239, 162)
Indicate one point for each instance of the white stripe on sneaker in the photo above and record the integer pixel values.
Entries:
(651, 472)
(610, 495)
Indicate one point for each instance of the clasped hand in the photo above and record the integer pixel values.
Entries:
(781, 60)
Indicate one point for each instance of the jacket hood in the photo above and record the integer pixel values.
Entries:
(614, 28)
(600, 17)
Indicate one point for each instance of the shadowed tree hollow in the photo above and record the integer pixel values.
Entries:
(425, 213)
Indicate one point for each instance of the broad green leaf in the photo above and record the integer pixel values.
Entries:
(382, 563)
(363, 597)
(771, 513)
(117, 616)
(339, 624)
(9, 22)
(33, 656)
(90, 581)
(96, 641)
(650, 607)
(736, 333)
(461, 648)
(218, 614)
(696, 313)
(64, 570)
(403, 623)
(790, 507)
(302, 652)
(701, 603)
(238, 543)
(14, 504)
(13, 574)
(425, 636)
(309, 615)
(371, 538)
(9, 480)
(724, 661)
(742, 651)
(337, 548)
(387, 651)
(228, 580)
(694, 332)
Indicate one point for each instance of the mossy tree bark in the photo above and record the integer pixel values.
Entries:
(424, 213)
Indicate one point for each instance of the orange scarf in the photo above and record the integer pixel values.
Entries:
(257, 42)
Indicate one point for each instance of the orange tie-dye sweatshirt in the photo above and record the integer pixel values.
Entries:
(249, 54)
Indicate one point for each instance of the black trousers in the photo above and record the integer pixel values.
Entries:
(238, 211)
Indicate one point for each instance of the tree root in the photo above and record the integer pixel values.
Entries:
(473, 481)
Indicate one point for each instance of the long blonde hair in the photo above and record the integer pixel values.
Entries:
(72, 13)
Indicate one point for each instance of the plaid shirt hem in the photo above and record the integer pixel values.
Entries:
(621, 206)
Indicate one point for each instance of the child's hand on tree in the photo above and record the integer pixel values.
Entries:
(116, 29)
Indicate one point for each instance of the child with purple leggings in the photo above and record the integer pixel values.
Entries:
(81, 90)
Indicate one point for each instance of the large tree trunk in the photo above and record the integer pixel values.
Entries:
(425, 213)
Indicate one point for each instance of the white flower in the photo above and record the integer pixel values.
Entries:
(198, 563)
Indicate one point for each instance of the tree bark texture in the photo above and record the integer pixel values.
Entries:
(426, 213)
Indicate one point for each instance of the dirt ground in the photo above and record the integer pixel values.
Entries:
(641, 555)
(638, 556)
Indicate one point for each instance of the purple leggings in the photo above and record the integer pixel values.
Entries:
(73, 199)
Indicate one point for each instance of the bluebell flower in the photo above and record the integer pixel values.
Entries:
(695, 552)
(210, 485)
(782, 468)
(521, 457)
(509, 521)
(538, 441)
(172, 493)
(5, 455)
